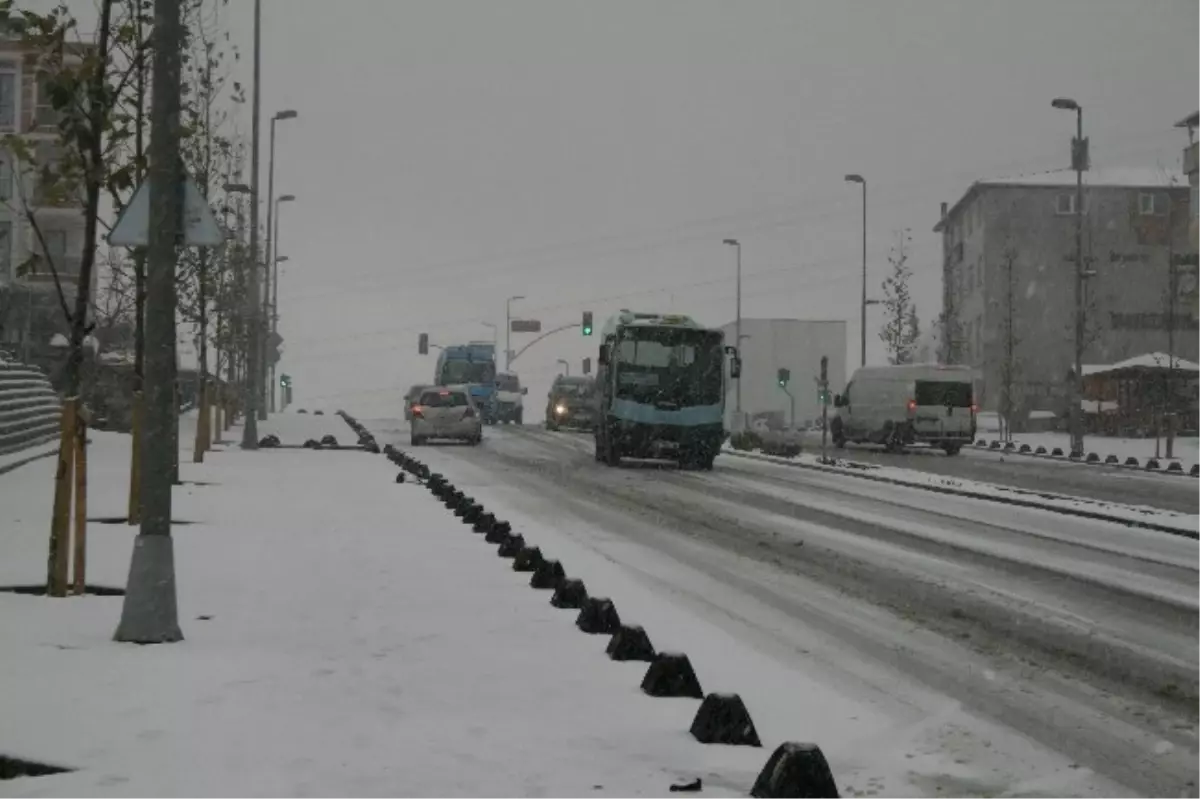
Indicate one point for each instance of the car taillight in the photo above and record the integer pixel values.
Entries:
(416, 411)
(912, 405)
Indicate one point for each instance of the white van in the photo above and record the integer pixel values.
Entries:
(909, 404)
(510, 404)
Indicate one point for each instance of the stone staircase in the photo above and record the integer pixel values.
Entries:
(29, 408)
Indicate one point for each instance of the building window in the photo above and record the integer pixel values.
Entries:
(46, 115)
(54, 247)
(1150, 204)
(6, 177)
(6, 246)
(8, 96)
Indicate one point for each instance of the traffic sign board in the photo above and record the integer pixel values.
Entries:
(200, 228)
(526, 326)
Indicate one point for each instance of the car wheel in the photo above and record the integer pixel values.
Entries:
(952, 449)
(519, 418)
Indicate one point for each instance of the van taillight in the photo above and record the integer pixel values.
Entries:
(912, 405)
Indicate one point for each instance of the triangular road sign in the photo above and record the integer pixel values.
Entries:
(200, 228)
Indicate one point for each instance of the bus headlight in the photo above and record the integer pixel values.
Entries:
(560, 409)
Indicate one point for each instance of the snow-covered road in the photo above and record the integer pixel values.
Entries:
(952, 615)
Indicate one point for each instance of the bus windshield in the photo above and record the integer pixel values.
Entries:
(682, 367)
(460, 372)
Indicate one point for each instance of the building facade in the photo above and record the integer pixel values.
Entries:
(1192, 169)
(30, 254)
(1009, 279)
(797, 345)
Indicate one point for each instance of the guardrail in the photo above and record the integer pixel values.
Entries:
(29, 408)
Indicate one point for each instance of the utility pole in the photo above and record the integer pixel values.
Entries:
(737, 327)
(508, 353)
(253, 323)
(824, 407)
(272, 244)
(1079, 162)
(149, 614)
(863, 308)
(1172, 296)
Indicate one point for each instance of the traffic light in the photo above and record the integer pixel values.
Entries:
(587, 323)
(285, 380)
(784, 376)
(423, 344)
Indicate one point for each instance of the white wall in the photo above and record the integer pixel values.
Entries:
(793, 344)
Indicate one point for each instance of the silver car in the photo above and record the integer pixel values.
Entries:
(446, 412)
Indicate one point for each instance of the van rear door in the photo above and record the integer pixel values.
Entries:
(945, 409)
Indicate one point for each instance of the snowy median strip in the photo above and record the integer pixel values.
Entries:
(793, 769)
(1133, 515)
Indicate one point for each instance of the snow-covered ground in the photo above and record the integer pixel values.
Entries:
(346, 635)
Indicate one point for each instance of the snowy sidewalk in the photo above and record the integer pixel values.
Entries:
(344, 635)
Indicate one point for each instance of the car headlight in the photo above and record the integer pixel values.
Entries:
(560, 409)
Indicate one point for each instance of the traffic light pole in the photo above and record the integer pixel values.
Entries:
(521, 351)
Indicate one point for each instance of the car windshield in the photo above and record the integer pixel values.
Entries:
(444, 399)
(573, 389)
(508, 383)
(682, 367)
(468, 372)
(944, 393)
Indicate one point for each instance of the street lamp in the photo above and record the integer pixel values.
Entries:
(508, 329)
(254, 351)
(566, 367)
(1079, 157)
(272, 206)
(273, 281)
(737, 325)
(863, 309)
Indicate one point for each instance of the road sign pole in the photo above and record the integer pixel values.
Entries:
(824, 408)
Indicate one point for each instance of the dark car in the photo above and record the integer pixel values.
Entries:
(571, 403)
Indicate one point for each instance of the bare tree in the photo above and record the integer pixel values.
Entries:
(901, 327)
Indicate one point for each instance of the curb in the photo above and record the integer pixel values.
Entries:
(958, 492)
(1091, 459)
(793, 769)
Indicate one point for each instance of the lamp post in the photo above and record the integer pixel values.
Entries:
(1079, 157)
(247, 320)
(254, 325)
(863, 307)
(737, 327)
(271, 206)
(508, 329)
(273, 282)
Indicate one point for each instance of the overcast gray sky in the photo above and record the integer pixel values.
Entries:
(450, 153)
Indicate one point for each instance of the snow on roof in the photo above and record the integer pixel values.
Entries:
(1119, 177)
(1106, 177)
(1151, 360)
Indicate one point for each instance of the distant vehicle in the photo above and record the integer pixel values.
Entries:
(661, 389)
(446, 412)
(571, 402)
(510, 399)
(901, 405)
(472, 365)
(411, 398)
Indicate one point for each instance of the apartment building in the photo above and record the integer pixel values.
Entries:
(30, 313)
(1009, 266)
(1192, 168)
